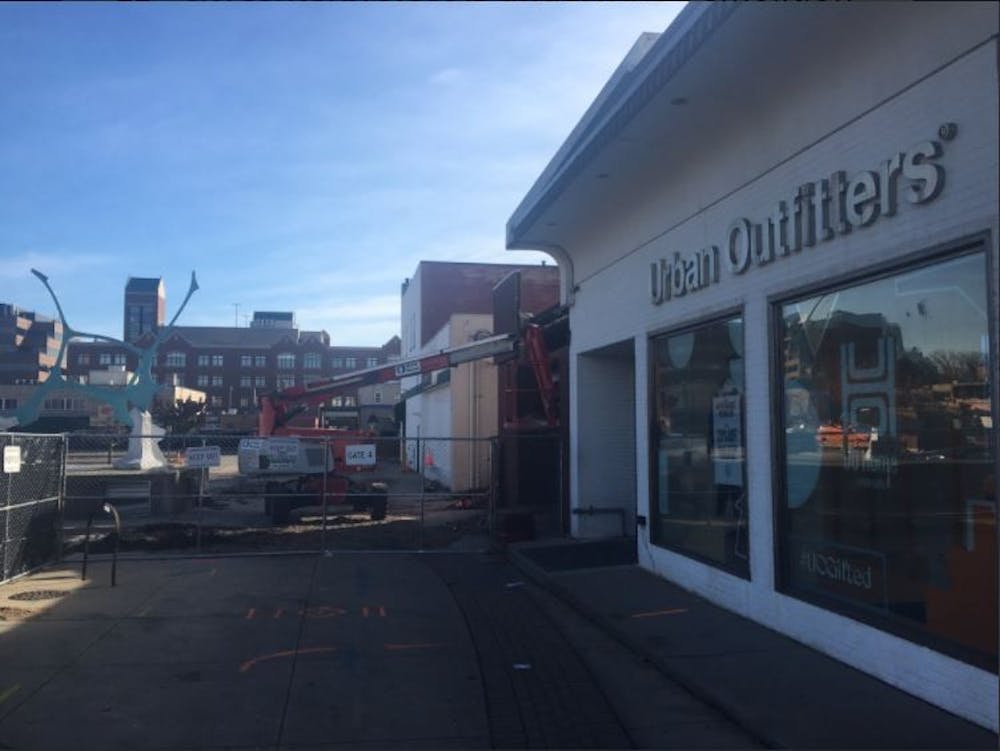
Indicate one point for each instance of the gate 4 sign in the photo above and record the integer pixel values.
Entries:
(360, 455)
(199, 457)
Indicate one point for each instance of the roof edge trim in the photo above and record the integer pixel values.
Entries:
(631, 87)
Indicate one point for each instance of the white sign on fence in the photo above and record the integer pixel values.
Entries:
(200, 457)
(283, 452)
(360, 455)
(11, 459)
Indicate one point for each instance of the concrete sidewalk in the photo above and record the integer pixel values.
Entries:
(780, 691)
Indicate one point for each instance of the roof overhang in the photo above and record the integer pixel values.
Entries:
(645, 73)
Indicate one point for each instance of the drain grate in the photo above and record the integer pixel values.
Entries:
(37, 594)
(11, 614)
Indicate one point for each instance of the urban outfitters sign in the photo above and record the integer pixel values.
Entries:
(814, 213)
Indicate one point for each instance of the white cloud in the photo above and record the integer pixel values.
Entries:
(446, 77)
(50, 263)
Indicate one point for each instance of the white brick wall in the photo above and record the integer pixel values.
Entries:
(612, 304)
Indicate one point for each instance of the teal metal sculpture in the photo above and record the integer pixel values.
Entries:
(138, 393)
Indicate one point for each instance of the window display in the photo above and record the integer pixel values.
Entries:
(699, 482)
(887, 455)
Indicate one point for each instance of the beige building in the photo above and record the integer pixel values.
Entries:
(454, 412)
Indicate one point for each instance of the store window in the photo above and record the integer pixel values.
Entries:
(699, 501)
(887, 455)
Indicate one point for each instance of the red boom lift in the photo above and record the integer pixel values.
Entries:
(292, 458)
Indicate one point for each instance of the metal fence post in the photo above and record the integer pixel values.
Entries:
(4, 573)
(201, 497)
(563, 506)
(326, 471)
(423, 485)
(494, 480)
(61, 505)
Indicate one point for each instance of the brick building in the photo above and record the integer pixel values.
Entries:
(29, 345)
(145, 307)
(233, 365)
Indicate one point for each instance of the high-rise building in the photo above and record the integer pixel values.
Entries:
(145, 306)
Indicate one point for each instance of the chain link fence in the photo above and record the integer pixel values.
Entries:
(350, 492)
(30, 491)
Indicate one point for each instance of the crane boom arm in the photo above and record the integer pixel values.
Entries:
(278, 407)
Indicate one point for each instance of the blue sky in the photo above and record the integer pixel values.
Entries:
(298, 157)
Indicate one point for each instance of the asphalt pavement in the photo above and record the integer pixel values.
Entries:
(566, 645)
(354, 650)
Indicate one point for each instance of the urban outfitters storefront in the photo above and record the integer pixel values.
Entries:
(783, 304)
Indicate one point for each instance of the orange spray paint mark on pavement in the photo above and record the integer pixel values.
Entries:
(654, 613)
(246, 666)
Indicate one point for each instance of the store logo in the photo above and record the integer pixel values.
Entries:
(815, 212)
(837, 569)
(683, 274)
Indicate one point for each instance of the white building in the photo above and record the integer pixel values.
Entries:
(777, 231)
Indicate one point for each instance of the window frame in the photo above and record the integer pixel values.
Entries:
(691, 325)
(969, 245)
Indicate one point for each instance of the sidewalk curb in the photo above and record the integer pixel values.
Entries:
(732, 712)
